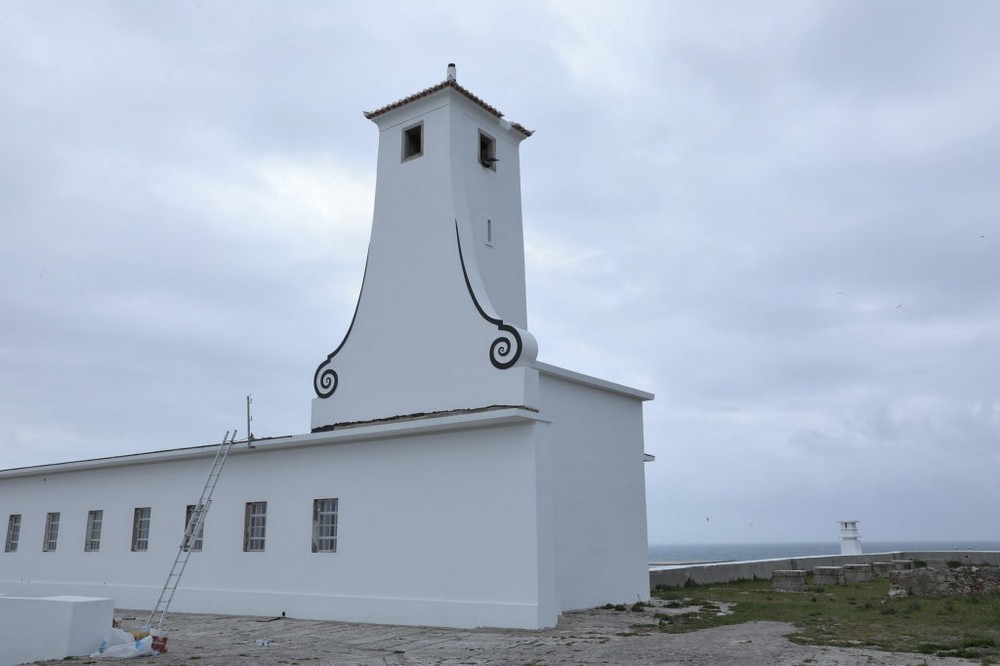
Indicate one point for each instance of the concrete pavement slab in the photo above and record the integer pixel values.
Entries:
(598, 636)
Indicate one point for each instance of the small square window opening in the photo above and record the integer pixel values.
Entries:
(413, 141)
(487, 151)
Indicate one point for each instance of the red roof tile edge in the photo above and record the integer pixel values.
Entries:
(441, 86)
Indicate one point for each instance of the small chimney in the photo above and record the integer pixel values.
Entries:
(452, 73)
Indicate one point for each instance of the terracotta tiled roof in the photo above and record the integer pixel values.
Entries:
(441, 86)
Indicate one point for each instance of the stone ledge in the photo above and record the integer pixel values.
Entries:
(789, 580)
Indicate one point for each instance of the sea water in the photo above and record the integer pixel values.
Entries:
(738, 552)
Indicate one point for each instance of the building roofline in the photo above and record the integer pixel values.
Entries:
(594, 382)
(401, 427)
(449, 83)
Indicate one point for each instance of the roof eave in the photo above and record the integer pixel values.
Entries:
(371, 115)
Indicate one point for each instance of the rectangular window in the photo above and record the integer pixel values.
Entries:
(92, 540)
(413, 141)
(254, 527)
(324, 538)
(13, 533)
(140, 529)
(199, 535)
(51, 532)
(487, 151)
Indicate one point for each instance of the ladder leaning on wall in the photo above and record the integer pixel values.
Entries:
(193, 527)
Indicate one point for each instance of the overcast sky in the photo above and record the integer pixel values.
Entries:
(781, 218)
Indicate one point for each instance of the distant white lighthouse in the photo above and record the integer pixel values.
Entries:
(850, 540)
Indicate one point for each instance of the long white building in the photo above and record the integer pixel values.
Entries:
(449, 477)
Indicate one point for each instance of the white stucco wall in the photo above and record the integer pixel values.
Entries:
(483, 194)
(418, 342)
(437, 529)
(598, 492)
(501, 518)
(495, 519)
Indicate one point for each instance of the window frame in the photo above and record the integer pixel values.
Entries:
(487, 151)
(50, 538)
(92, 537)
(407, 151)
(255, 527)
(198, 538)
(141, 520)
(325, 543)
(13, 533)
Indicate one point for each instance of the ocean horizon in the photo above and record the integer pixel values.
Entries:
(738, 552)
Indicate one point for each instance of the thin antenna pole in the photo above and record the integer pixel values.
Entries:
(249, 419)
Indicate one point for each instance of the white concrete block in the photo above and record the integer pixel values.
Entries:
(40, 628)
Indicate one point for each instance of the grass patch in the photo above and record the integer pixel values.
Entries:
(854, 615)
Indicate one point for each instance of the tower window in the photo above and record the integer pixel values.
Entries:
(489, 232)
(487, 151)
(413, 141)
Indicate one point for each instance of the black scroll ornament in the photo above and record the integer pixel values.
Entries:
(505, 350)
(325, 380)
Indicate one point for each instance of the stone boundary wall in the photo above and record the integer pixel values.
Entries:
(789, 580)
(828, 575)
(857, 573)
(725, 572)
(933, 581)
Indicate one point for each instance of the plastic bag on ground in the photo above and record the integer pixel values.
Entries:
(115, 636)
(140, 648)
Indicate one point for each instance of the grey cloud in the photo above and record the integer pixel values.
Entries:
(745, 196)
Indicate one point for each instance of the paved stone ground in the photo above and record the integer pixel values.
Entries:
(585, 637)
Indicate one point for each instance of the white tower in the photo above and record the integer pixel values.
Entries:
(441, 322)
(850, 540)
